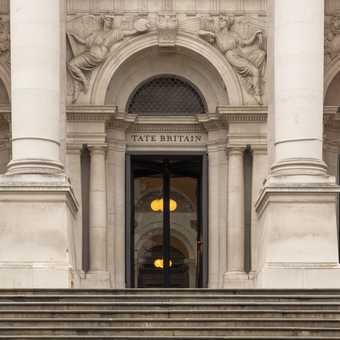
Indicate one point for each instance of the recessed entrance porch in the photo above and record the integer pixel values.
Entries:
(166, 229)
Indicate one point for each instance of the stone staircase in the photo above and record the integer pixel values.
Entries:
(170, 314)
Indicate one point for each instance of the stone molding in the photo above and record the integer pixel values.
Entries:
(189, 7)
(103, 76)
(230, 114)
(31, 187)
(89, 113)
(244, 114)
(288, 193)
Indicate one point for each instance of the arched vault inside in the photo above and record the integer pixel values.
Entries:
(152, 62)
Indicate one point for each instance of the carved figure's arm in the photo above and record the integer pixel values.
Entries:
(76, 37)
(251, 40)
(207, 35)
(128, 33)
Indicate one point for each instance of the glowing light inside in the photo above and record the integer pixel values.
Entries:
(158, 205)
(159, 263)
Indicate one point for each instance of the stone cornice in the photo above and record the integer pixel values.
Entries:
(243, 114)
(229, 114)
(90, 113)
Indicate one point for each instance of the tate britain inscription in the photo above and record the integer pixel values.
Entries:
(166, 138)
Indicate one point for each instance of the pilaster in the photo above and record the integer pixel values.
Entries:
(218, 170)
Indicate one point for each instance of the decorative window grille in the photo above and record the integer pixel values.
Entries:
(166, 95)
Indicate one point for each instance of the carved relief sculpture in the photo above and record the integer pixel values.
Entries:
(4, 41)
(167, 30)
(92, 50)
(332, 39)
(247, 56)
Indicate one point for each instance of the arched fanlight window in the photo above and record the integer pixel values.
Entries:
(166, 95)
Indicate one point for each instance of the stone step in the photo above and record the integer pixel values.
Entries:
(173, 331)
(208, 305)
(46, 337)
(166, 322)
(167, 298)
(84, 313)
(177, 292)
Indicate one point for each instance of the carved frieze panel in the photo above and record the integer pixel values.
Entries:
(235, 28)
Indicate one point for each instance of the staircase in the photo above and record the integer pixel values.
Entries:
(170, 314)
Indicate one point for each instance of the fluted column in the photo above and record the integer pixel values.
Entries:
(97, 209)
(35, 78)
(298, 87)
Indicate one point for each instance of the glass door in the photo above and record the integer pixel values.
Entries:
(165, 222)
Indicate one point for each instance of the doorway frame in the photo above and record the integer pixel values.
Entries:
(203, 211)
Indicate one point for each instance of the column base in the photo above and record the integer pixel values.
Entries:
(299, 171)
(299, 275)
(36, 243)
(34, 166)
(298, 235)
(35, 275)
(238, 280)
(96, 279)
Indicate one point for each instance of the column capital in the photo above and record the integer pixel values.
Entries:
(259, 149)
(235, 149)
(74, 149)
(97, 148)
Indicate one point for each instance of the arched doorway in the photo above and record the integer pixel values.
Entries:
(166, 193)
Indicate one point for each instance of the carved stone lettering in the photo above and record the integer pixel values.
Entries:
(166, 138)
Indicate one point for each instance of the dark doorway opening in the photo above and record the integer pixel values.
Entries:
(166, 221)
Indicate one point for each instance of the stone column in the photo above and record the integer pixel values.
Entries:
(235, 271)
(35, 78)
(37, 245)
(116, 199)
(98, 209)
(298, 88)
(74, 172)
(217, 205)
(297, 208)
(260, 172)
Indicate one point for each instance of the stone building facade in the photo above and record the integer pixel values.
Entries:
(169, 143)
